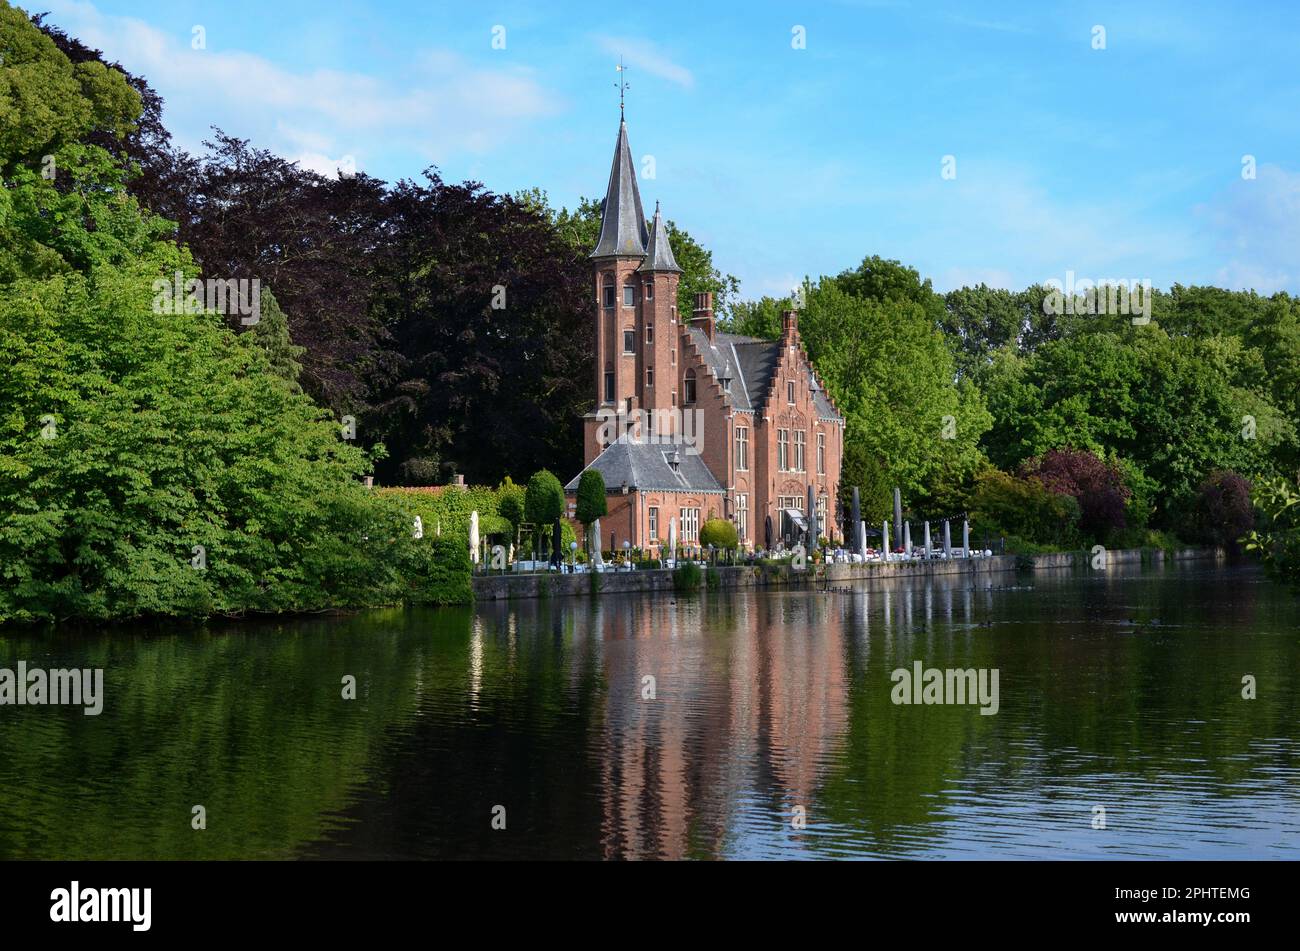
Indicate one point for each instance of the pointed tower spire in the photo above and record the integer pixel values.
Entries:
(659, 256)
(622, 222)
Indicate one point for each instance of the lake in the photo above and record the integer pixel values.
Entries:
(769, 729)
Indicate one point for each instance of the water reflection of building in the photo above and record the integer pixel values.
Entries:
(750, 699)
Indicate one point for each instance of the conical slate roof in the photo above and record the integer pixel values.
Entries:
(622, 222)
(660, 256)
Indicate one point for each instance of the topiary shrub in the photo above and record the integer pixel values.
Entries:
(719, 533)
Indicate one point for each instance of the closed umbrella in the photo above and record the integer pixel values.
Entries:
(898, 513)
(927, 539)
(672, 539)
(965, 538)
(767, 534)
(557, 543)
(884, 540)
(597, 559)
(947, 540)
(907, 539)
(473, 536)
(812, 523)
(859, 543)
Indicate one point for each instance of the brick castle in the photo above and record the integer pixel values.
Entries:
(692, 423)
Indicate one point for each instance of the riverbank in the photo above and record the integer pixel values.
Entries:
(512, 587)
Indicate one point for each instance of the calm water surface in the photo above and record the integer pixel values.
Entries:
(1120, 690)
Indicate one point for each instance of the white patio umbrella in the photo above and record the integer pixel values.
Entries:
(417, 530)
(907, 539)
(927, 539)
(884, 541)
(947, 540)
(672, 539)
(597, 561)
(473, 536)
(965, 538)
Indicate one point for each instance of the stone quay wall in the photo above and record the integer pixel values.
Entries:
(511, 586)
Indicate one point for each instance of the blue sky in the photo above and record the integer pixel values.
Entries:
(1124, 162)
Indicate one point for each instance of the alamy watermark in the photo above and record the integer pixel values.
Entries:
(656, 427)
(77, 904)
(1129, 297)
(36, 687)
(951, 686)
(193, 296)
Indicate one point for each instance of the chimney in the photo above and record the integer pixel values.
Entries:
(789, 323)
(703, 316)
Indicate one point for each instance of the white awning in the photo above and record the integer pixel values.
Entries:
(797, 517)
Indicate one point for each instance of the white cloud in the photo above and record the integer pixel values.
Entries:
(440, 105)
(646, 56)
(1256, 225)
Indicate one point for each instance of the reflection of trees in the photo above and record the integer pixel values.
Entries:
(249, 723)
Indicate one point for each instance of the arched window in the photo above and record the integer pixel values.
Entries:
(688, 387)
(609, 292)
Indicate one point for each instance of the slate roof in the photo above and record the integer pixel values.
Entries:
(622, 222)
(644, 465)
(756, 361)
(660, 256)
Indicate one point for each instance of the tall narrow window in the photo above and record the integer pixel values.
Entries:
(821, 453)
(800, 439)
(782, 449)
(649, 377)
(742, 518)
(690, 525)
(650, 289)
(789, 392)
(649, 333)
(654, 522)
(609, 386)
(688, 387)
(629, 295)
(629, 341)
(609, 292)
(742, 448)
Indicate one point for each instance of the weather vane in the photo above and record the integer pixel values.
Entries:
(622, 85)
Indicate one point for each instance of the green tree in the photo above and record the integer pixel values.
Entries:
(590, 504)
(152, 461)
(1167, 405)
(889, 371)
(543, 500)
(510, 505)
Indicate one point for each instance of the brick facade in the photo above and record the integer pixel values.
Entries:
(651, 358)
